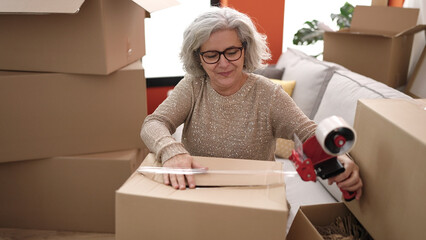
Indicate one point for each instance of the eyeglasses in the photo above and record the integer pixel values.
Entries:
(231, 54)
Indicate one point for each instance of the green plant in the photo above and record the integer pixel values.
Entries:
(313, 32)
(344, 18)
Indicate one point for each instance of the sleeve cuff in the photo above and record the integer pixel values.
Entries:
(170, 151)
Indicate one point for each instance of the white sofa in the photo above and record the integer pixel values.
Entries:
(322, 89)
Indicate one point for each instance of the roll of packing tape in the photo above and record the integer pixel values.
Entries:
(335, 135)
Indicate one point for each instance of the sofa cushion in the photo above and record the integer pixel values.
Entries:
(311, 76)
(288, 86)
(284, 148)
(343, 91)
(271, 71)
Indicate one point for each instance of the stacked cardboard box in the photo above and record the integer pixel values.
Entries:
(390, 152)
(72, 101)
(378, 44)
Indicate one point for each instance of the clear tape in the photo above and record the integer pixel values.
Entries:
(193, 171)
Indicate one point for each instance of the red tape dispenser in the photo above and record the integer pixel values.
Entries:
(318, 155)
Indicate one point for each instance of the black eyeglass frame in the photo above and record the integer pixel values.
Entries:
(243, 47)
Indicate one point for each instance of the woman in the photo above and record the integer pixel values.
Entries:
(227, 111)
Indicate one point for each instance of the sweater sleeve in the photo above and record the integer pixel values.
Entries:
(287, 119)
(158, 127)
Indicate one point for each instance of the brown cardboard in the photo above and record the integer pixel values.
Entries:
(390, 153)
(72, 193)
(378, 43)
(52, 114)
(379, 2)
(101, 37)
(41, 6)
(307, 217)
(151, 210)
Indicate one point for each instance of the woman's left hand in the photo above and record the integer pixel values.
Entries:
(350, 179)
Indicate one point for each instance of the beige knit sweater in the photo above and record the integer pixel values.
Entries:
(243, 125)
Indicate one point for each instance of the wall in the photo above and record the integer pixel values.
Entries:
(269, 20)
(163, 35)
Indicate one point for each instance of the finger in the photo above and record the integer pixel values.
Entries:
(343, 176)
(173, 180)
(191, 181)
(358, 194)
(191, 178)
(197, 165)
(181, 181)
(166, 179)
(352, 180)
(352, 188)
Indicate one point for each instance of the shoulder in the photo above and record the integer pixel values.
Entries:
(189, 82)
(264, 83)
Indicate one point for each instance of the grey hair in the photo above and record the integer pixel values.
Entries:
(199, 31)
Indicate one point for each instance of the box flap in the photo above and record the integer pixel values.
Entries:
(362, 32)
(155, 5)
(69, 6)
(40, 6)
(387, 19)
(251, 172)
(412, 30)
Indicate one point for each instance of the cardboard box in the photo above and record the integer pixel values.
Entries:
(51, 114)
(390, 152)
(378, 43)
(307, 217)
(379, 3)
(72, 193)
(149, 209)
(89, 37)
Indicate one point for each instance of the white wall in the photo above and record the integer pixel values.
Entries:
(299, 11)
(419, 38)
(164, 34)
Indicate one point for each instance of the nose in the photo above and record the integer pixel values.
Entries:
(222, 60)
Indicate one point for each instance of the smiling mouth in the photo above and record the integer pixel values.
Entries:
(225, 74)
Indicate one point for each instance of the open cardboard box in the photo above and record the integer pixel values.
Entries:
(221, 207)
(54, 114)
(378, 43)
(79, 36)
(390, 152)
(69, 193)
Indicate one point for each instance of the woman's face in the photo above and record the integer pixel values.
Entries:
(226, 76)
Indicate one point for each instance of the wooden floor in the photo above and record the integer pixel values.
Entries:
(24, 234)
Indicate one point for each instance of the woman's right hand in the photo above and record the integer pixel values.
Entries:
(178, 181)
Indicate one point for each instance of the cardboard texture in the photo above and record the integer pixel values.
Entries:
(71, 193)
(378, 43)
(390, 152)
(101, 37)
(51, 114)
(149, 209)
(307, 217)
(379, 2)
